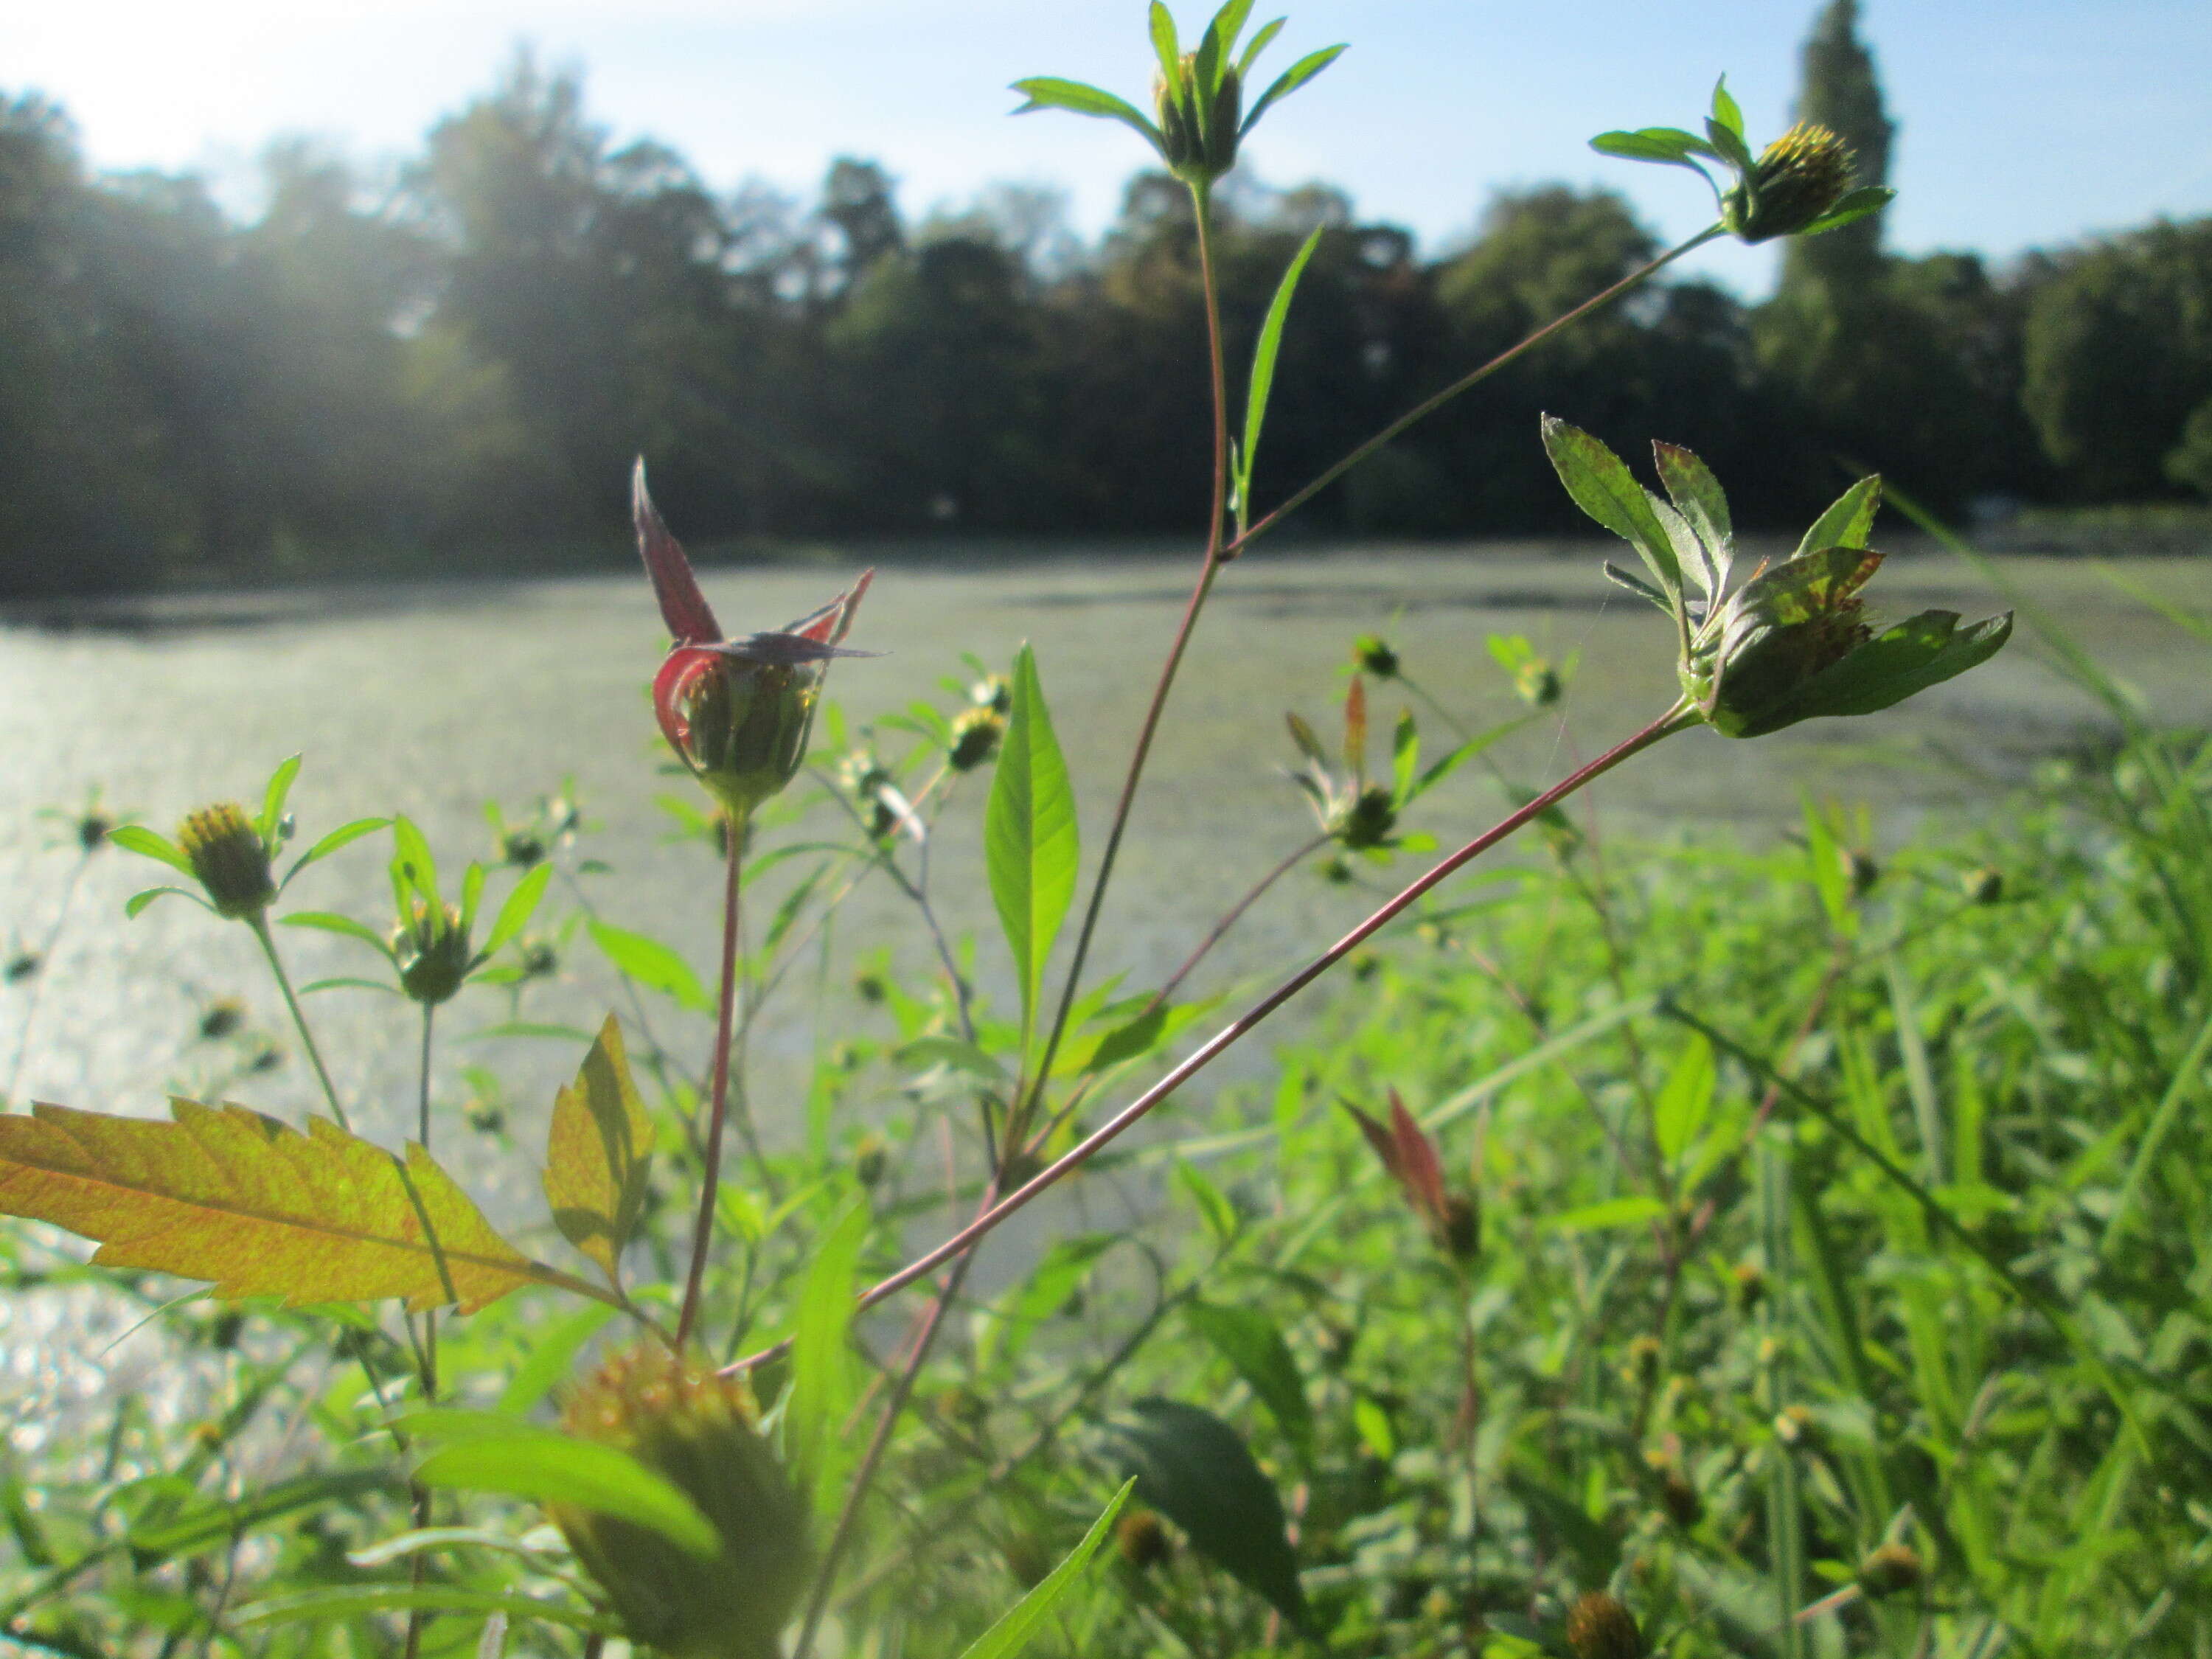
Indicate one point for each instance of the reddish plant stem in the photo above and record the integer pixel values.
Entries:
(1674, 720)
(1215, 558)
(1235, 914)
(703, 1231)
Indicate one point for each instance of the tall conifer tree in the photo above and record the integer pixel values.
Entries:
(1840, 92)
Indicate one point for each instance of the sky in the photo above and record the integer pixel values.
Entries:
(2023, 123)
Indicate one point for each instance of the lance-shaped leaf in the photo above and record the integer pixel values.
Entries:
(1849, 520)
(1899, 663)
(597, 1159)
(1603, 487)
(1050, 92)
(228, 1196)
(1030, 841)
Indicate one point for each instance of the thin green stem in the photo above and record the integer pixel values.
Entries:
(428, 1351)
(1678, 718)
(1429, 406)
(1215, 556)
(702, 1232)
(260, 924)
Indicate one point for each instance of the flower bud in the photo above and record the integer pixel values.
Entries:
(1784, 627)
(976, 735)
(1366, 820)
(1886, 1571)
(1599, 1627)
(746, 725)
(431, 947)
(1982, 886)
(227, 855)
(1142, 1538)
(221, 1018)
(1800, 176)
(1537, 683)
(1372, 654)
(1679, 1498)
(696, 1430)
(1198, 134)
(92, 829)
(993, 692)
(1793, 1426)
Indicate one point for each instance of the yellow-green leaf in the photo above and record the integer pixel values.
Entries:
(227, 1194)
(595, 1161)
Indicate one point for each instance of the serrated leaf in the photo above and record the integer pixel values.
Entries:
(1030, 845)
(1290, 80)
(1602, 486)
(1252, 1343)
(1050, 92)
(599, 1154)
(1019, 1622)
(1849, 520)
(1194, 1468)
(656, 966)
(1636, 585)
(228, 1196)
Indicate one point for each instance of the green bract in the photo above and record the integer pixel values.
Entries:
(1798, 186)
(1790, 642)
(1198, 96)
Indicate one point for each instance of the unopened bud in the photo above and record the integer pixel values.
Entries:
(1372, 654)
(1747, 1284)
(696, 1430)
(92, 829)
(227, 855)
(1886, 1571)
(1537, 682)
(1198, 134)
(1800, 176)
(221, 1018)
(22, 966)
(1366, 820)
(1644, 1356)
(746, 726)
(976, 735)
(992, 692)
(432, 950)
(1680, 1498)
(1599, 1627)
(1459, 1228)
(870, 1160)
(1142, 1538)
(1982, 886)
(522, 848)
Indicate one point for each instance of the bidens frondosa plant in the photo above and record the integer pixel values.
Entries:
(698, 1526)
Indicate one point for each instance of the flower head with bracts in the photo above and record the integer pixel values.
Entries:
(738, 712)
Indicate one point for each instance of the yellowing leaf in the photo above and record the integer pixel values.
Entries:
(595, 1161)
(227, 1194)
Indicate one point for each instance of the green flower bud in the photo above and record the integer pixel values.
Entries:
(227, 855)
(1982, 886)
(697, 1431)
(1599, 1627)
(1800, 177)
(747, 723)
(1371, 655)
(1538, 683)
(431, 947)
(1886, 1571)
(221, 1018)
(1366, 820)
(976, 735)
(1198, 134)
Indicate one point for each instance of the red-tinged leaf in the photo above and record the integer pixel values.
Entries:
(228, 1196)
(1384, 1143)
(1355, 729)
(596, 1161)
(834, 620)
(690, 620)
(1418, 1167)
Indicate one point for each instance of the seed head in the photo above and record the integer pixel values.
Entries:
(1800, 176)
(1599, 1627)
(975, 735)
(1372, 654)
(1142, 1538)
(228, 856)
(1892, 1568)
(697, 1431)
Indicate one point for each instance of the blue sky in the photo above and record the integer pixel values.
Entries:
(2024, 123)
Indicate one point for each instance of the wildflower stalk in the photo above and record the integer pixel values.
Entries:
(259, 923)
(1422, 410)
(1678, 718)
(427, 1352)
(702, 1232)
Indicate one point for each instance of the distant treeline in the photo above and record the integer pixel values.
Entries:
(457, 363)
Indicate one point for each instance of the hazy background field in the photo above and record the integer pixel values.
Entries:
(430, 699)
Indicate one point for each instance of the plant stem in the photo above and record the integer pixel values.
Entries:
(260, 924)
(420, 1492)
(702, 1232)
(1216, 554)
(1297, 856)
(1422, 410)
(1676, 719)
(45, 968)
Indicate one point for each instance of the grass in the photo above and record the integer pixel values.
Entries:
(1842, 1204)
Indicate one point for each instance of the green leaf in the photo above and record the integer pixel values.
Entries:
(1049, 92)
(1729, 141)
(551, 1356)
(521, 904)
(1229, 23)
(652, 964)
(1848, 520)
(961, 1056)
(1221, 1217)
(1259, 43)
(1057, 1276)
(414, 1542)
(1686, 1101)
(1194, 1468)
(1030, 841)
(272, 800)
(328, 922)
(1901, 662)
(1699, 498)
(225, 1195)
(358, 1600)
(1666, 144)
(1602, 486)
(1132, 1040)
(1253, 1345)
(1446, 765)
(1019, 1622)
(824, 1380)
(1263, 361)
(1725, 110)
(599, 1155)
(150, 843)
(1290, 80)
(344, 836)
(519, 1460)
(1165, 47)
(1854, 205)
(1613, 1213)
(210, 1524)
(139, 901)
(413, 864)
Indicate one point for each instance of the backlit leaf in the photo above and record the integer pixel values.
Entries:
(1849, 520)
(1603, 487)
(1030, 840)
(1264, 354)
(652, 964)
(227, 1194)
(596, 1161)
(1290, 80)
(1050, 92)
(521, 1459)
(1252, 1343)
(1015, 1626)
